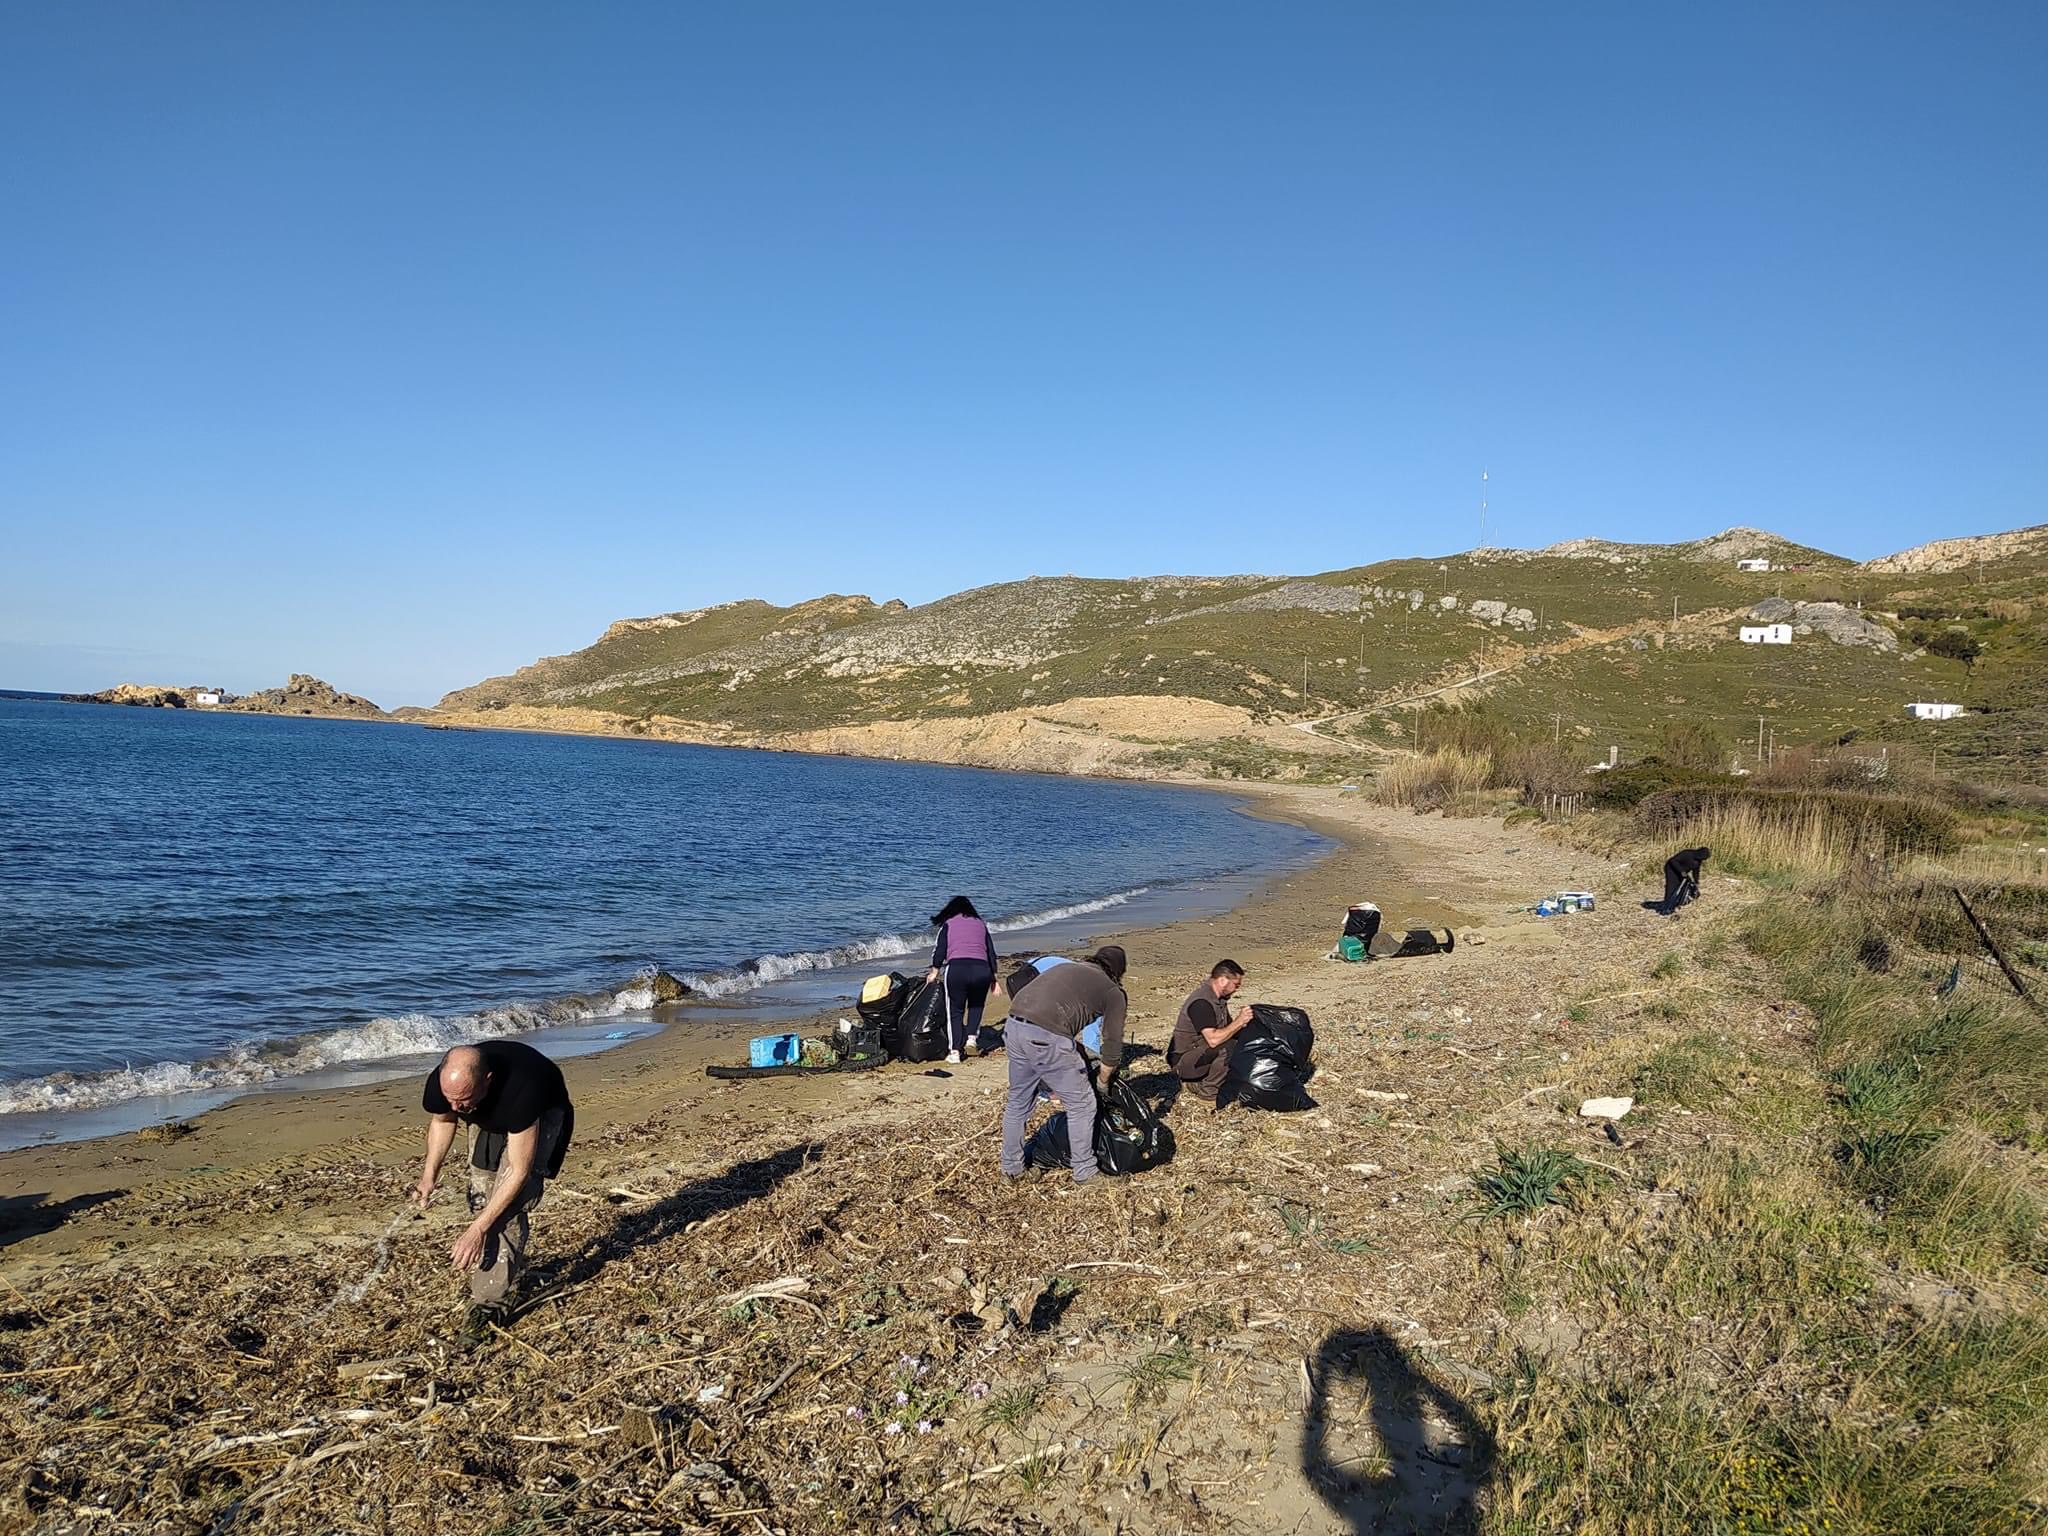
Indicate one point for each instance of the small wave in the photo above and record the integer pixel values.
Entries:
(421, 1034)
(258, 1063)
(763, 969)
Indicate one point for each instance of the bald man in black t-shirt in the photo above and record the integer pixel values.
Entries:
(517, 1108)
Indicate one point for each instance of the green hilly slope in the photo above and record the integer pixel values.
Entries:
(1580, 637)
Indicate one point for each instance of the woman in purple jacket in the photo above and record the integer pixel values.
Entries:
(966, 956)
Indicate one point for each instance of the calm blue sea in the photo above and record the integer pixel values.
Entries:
(198, 905)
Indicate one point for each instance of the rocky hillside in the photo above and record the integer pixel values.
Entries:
(1606, 641)
(1945, 556)
(303, 695)
(143, 696)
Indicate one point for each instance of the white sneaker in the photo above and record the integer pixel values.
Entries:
(952, 1058)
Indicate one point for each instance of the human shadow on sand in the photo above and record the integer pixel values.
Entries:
(695, 1201)
(1427, 1457)
(26, 1216)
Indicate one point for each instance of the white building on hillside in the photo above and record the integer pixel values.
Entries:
(1767, 634)
(1753, 565)
(1934, 711)
(207, 696)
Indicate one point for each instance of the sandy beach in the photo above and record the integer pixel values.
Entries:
(874, 1195)
(1416, 873)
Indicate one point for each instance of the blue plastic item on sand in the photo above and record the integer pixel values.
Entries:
(775, 1050)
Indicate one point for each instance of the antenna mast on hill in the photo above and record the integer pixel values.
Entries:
(1482, 509)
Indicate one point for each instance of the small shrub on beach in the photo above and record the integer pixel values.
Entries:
(1523, 1181)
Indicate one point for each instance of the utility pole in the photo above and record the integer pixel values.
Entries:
(1304, 680)
(1759, 741)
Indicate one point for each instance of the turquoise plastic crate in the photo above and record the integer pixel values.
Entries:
(775, 1050)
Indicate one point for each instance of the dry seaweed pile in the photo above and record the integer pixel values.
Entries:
(864, 1332)
(859, 1328)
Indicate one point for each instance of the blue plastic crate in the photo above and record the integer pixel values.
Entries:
(775, 1050)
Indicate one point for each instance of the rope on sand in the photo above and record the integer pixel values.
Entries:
(355, 1293)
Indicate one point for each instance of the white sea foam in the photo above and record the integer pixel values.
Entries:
(763, 969)
(257, 1063)
(421, 1034)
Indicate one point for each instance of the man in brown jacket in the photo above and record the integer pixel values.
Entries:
(1199, 1051)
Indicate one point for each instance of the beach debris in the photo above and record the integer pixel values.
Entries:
(371, 1370)
(784, 1288)
(1381, 1095)
(667, 988)
(378, 1264)
(721, 1313)
(1606, 1109)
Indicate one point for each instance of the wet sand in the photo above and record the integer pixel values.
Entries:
(68, 1202)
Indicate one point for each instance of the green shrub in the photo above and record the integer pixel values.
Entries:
(1626, 787)
(1523, 1181)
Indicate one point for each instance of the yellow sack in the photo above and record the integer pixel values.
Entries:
(875, 988)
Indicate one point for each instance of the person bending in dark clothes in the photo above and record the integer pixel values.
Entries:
(520, 1120)
(1682, 879)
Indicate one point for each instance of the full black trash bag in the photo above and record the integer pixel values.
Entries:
(921, 1026)
(1362, 922)
(1417, 941)
(1129, 1138)
(883, 1013)
(1270, 1058)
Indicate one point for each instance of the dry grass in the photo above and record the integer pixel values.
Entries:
(1427, 781)
(1749, 840)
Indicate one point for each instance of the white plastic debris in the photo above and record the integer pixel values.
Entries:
(1606, 1109)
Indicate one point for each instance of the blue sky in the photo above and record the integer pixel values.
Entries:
(402, 344)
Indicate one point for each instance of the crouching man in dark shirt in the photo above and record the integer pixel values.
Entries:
(1199, 1051)
(517, 1109)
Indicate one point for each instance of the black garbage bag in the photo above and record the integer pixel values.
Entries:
(1416, 941)
(1362, 922)
(921, 1026)
(882, 1014)
(1129, 1138)
(1270, 1058)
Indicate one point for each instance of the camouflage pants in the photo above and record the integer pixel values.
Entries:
(496, 1275)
